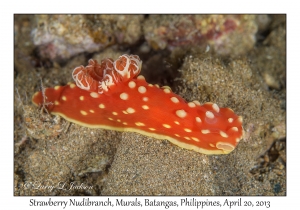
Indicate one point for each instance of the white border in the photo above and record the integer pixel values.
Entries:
(217, 6)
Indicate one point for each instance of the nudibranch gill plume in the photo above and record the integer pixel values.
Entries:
(112, 95)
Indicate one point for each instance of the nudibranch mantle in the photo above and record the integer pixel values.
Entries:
(111, 95)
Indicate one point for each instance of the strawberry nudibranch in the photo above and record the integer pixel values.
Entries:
(111, 95)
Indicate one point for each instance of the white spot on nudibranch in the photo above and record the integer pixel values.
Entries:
(223, 134)
(81, 98)
(56, 87)
(101, 106)
(191, 104)
(210, 115)
(114, 113)
(124, 96)
(130, 110)
(142, 89)
(166, 87)
(187, 138)
(131, 84)
(195, 139)
(140, 124)
(175, 100)
(94, 94)
(83, 112)
(181, 113)
(187, 130)
(166, 90)
(166, 126)
(230, 120)
(72, 85)
(205, 131)
(198, 119)
(64, 98)
(145, 107)
(216, 108)
(56, 102)
(240, 119)
(92, 111)
(152, 129)
(197, 102)
(177, 135)
(141, 77)
(234, 129)
(145, 98)
(176, 122)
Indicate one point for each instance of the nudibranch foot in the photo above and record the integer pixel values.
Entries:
(111, 95)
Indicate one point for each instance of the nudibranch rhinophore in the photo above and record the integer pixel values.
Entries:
(111, 95)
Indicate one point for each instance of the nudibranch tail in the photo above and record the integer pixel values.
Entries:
(111, 95)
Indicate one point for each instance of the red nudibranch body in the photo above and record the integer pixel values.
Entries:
(111, 95)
